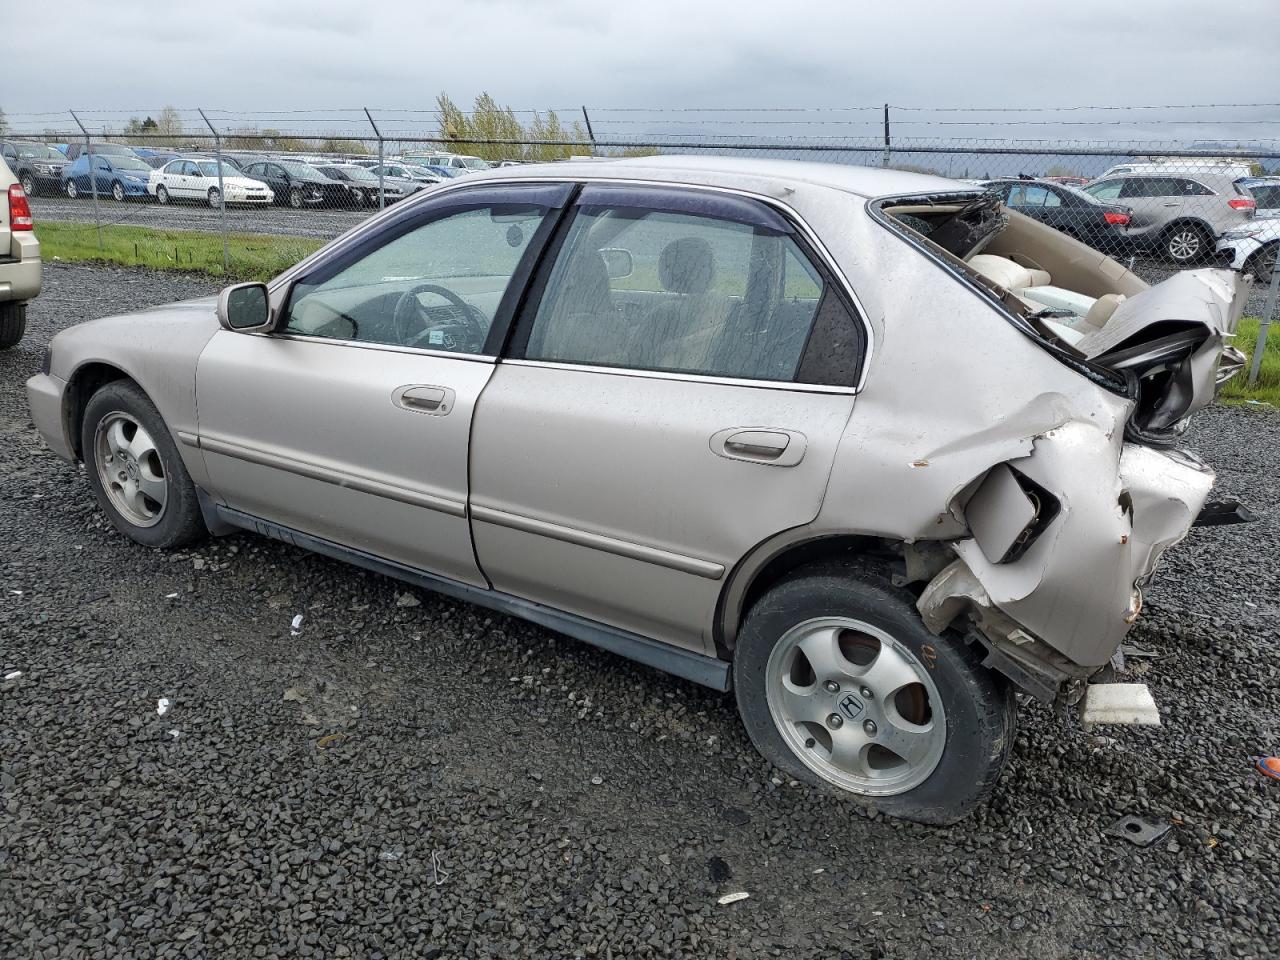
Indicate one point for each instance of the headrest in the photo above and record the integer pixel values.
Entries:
(686, 265)
(1008, 274)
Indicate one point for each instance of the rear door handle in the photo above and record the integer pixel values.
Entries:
(424, 398)
(766, 445)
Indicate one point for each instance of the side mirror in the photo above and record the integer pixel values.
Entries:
(245, 308)
(617, 262)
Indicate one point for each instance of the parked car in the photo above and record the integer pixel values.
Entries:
(1077, 214)
(1265, 192)
(298, 184)
(197, 179)
(669, 463)
(454, 161)
(444, 173)
(1069, 181)
(1180, 217)
(420, 176)
(1179, 166)
(1251, 247)
(118, 176)
(37, 166)
(21, 272)
(76, 149)
(362, 184)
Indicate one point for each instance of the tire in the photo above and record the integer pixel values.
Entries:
(295, 198)
(1185, 243)
(956, 718)
(126, 468)
(117, 192)
(28, 184)
(162, 195)
(1261, 262)
(13, 324)
(215, 198)
(72, 190)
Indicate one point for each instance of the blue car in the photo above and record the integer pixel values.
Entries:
(117, 176)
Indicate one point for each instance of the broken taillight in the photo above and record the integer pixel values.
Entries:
(1116, 219)
(1242, 203)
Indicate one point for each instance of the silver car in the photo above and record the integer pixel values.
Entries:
(1177, 215)
(817, 434)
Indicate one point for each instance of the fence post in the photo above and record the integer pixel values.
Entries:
(377, 133)
(1268, 313)
(222, 193)
(591, 134)
(885, 161)
(93, 176)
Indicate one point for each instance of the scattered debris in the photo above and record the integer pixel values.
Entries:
(1138, 830)
(15, 593)
(13, 675)
(718, 870)
(439, 874)
(739, 818)
(329, 739)
(408, 600)
(171, 596)
(820, 870)
(162, 706)
(1119, 703)
(597, 780)
(97, 595)
(391, 853)
(197, 563)
(1137, 653)
(295, 626)
(175, 734)
(294, 695)
(729, 898)
(1267, 766)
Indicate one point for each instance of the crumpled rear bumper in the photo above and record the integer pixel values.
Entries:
(1077, 588)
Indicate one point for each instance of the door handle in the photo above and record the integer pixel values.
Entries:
(765, 445)
(424, 398)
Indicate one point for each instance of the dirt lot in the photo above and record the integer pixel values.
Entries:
(413, 777)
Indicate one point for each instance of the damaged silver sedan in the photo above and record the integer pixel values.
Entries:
(862, 446)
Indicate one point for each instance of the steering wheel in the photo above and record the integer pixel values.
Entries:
(408, 302)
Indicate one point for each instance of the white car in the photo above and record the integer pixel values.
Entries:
(1251, 247)
(188, 179)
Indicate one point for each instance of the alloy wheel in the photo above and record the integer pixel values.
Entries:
(28, 185)
(1184, 244)
(856, 706)
(117, 192)
(72, 190)
(130, 469)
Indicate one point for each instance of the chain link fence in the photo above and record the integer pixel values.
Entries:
(273, 186)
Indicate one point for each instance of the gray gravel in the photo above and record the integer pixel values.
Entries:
(414, 777)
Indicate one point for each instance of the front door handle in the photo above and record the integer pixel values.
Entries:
(766, 445)
(424, 398)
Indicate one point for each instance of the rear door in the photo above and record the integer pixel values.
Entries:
(676, 388)
(351, 424)
(1155, 202)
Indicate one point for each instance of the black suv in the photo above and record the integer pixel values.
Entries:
(37, 166)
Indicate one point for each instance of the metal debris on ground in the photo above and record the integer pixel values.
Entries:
(729, 898)
(162, 706)
(295, 626)
(439, 874)
(13, 675)
(1138, 830)
(329, 739)
(294, 695)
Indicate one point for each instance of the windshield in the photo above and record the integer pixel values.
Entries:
(354, 173)
(38, 151)
(295, 169)
(209, 168)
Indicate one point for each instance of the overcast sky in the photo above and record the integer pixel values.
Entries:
(136, 56)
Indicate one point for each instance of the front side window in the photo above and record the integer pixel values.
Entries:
(657, 290)
(435, 287)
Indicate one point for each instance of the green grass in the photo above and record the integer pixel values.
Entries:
(1267, 389)
(250, 256)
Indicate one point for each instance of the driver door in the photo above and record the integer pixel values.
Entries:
(351, 423)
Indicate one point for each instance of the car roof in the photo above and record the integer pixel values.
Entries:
(740, 172)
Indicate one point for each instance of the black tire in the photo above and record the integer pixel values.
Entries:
(13, 324)
(28, 184)
(1261, 262)
(180, 522)
(162, 195)
(295, 198)
(215, 198)
(117, 191)
(979, 705)
(72, 190)
(1184, 243)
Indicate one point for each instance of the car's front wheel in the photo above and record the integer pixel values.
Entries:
(215, 198)
(840, 684)
(28, 185)
(295, 198)
(135, 470)
(117, 192)
(1262, 262)
(162, 195)
(72, 190)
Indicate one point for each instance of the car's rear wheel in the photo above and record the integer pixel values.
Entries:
(135, 470)
(840, 684)
(215, 198)
(295, 198)
(162, 195)
(1262, 262)
(28, 184)
(72, 190)
(117, 192)
(13, 324)
(1185, 243)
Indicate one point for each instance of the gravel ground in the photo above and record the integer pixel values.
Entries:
(413, 777)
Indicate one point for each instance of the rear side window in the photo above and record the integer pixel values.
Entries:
(680, 292)
(1190, 188)
(1106, 190)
